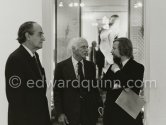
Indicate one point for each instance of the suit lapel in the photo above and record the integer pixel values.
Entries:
(127, 64)
(69, 70)
(30, 64)
(41, 72)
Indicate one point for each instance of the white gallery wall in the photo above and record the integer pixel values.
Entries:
(12, 14)
(155, 32)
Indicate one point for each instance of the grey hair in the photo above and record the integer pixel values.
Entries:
(74, 43)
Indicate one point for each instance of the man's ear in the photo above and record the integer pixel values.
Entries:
(27, 36)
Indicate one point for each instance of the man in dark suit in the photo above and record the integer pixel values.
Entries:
(76, 102)
(25, 79)
(129, 74)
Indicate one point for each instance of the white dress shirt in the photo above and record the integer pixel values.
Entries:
(124, 62)
(75, 65)
(29, 51)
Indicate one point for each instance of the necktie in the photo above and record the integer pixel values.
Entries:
(81, 78)
(37, 64)
(80, 72)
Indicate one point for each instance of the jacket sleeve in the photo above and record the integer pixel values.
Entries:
(133, 79)
(99, 99)
(58, 92)
(107, 81)
(15, 88)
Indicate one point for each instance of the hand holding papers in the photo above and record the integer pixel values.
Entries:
(130, 102)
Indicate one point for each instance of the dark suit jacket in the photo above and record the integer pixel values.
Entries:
(113, 114)
(67, 100)
(27, 103)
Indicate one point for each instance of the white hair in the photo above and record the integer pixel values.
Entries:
(74, 43)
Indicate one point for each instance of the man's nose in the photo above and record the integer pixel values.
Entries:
(87, 49)
(112, 51)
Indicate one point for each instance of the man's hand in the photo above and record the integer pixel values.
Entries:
(63, 119)
(115, 68)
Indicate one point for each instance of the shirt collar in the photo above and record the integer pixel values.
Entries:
(75, 62)
(125, 61)
(29, 51)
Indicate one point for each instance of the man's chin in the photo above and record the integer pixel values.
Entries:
(40, 46)
(84, 57)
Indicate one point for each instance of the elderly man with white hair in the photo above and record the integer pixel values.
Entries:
(76, 100)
